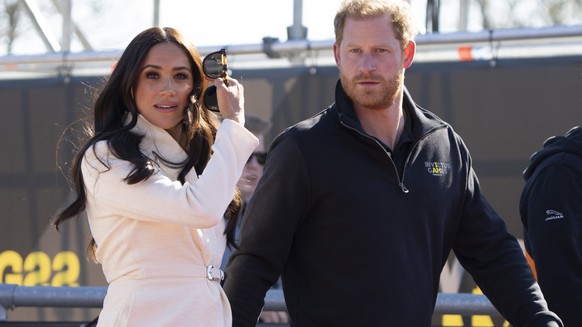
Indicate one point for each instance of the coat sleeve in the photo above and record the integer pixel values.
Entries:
(274, 213)
(496, 261)
(199, 203)
(554, 231)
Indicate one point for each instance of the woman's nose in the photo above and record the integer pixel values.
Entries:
(169, 87)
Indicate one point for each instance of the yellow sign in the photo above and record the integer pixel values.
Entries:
(37, 269)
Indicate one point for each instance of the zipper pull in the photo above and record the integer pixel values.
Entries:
(403, 188)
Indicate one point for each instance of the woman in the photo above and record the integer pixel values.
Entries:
(155, 180)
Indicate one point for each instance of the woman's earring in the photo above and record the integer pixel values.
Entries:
(186, 118)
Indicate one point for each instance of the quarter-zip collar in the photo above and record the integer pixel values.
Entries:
(422, 121)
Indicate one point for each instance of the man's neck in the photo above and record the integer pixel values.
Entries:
(384, 124)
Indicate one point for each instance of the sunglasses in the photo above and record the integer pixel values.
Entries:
(260, 156)
(214, 66)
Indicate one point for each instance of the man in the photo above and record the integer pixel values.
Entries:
(551, 213)
(360, 205)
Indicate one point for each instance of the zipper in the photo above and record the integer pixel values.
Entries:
(403, 187)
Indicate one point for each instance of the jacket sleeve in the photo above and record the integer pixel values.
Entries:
(495, 260)
(554, 231)
(199, 203)
(275, 211)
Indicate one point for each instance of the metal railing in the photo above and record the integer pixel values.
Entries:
(500, 43)
(14, 296)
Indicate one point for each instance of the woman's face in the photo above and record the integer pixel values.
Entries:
(163, 87)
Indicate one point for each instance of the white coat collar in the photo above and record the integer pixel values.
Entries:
(158, 143)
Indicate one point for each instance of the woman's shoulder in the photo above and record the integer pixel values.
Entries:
(97, 149)
(98, 155)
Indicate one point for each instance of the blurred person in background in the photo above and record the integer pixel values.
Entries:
(551, 213)
(247, 184)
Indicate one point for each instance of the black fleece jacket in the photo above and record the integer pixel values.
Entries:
(358, 244)
(551, 213)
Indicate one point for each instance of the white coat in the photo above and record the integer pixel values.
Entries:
(155, 238)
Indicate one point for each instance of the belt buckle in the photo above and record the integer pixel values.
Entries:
(214, 274)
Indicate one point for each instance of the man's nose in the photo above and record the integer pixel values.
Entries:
(368, 62)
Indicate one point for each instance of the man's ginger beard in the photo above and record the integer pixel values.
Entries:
(372, 99)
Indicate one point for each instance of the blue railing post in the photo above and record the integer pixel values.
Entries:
(6, 300)
(12, 296)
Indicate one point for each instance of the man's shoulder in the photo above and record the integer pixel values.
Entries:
(313, 124)
(307, 131)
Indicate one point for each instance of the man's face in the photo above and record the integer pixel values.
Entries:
(252, 172)
(371, 61)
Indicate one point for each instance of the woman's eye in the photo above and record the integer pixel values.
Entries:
(181, 76)
(152, 75)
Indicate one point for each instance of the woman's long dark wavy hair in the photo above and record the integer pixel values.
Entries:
(116, 101)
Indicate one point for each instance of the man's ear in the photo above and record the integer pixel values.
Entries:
(409, 52)
(336, 54)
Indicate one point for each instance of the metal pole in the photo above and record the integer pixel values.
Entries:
(290, 46)
(6, 299)
(297, 30)
(465, 303)
(67, 23)
(41, 26)
(463, 15)
(12, 296)
(156, 12)
(76, 30)
(432, 16)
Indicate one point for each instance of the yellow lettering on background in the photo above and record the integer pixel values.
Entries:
(67, 269)
(12, 261)
(38, 266)
(36, 269)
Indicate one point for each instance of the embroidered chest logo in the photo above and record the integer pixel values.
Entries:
(553, 215)
(437, 168)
